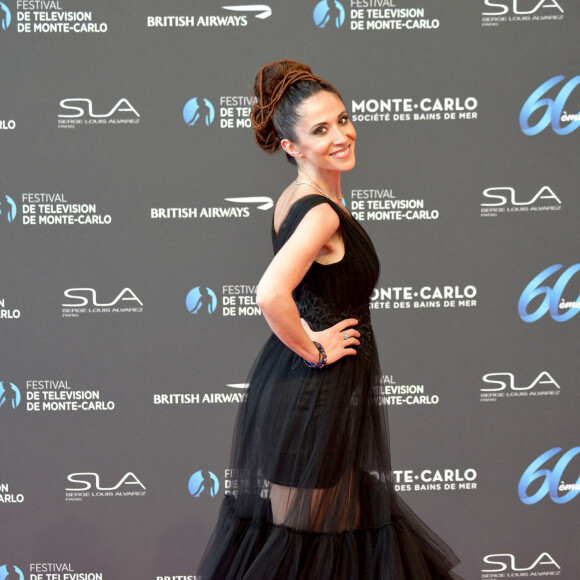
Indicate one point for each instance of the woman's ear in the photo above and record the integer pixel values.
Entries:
(291, 148)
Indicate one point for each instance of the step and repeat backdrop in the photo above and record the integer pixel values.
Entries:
(135, 216)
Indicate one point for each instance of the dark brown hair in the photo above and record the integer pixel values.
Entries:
(280, 88)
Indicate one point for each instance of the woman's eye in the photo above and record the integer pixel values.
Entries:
(343, 120)
(320, 131)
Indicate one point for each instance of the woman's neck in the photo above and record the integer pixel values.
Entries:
(327, 182)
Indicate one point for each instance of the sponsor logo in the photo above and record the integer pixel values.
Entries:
(6, 496)
(5, 16)
(408, 297)
(540, 111)
(552, 480)
(8, 209)
(240, 209)
(506, 200)
(7, 125)
(201, 300)
(57, 395)
(329, 13)
(383, 205)
(49, 16)
(81, 111)
(390, 392)
(8, 313)
(233, 112)
(379, 110)
(503, 386)
(498, 12)
(435, 479)
(543, 565)
(203, 483)
(203, 398)
(196, 109)
(53, 209)
(85, 301)
(552, 301)
(9, 571)
(378, 15)
(236, 300)
(9, 395)
(236, 16)
(89, 485)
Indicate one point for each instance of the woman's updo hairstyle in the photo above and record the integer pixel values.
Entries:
(280, 88)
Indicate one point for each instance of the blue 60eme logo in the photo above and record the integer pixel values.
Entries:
(554, 112)
(552, 301)
(552, 478)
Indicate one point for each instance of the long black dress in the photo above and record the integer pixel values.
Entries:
(322, 433)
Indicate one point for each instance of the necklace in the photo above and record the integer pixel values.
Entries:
(339, 198)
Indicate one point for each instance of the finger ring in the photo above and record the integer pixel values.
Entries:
(346, 336)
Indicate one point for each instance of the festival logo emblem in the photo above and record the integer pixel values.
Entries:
(552, 480)
(201, 300)
(8, 209)
(554, 111)
(9, 395)
(9, 572)
(329, 14)
(203, 482)
(196, 109)
(5, 16)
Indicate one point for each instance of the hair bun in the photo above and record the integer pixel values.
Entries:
(270, 85)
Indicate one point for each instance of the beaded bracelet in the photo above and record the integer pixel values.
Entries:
(321, 357)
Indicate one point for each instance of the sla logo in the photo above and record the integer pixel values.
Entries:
(507, 562)
(203, 482)
(554, 111)
(329, 12)
(87, 481)
(505, 195)
(84, 107)
(88, 296)
(6, 18)
(196, 109)
(9, 395)
(9, 572)
(552, 301)
(552, 482)
(503, 7)
(8, 209)
(201, 300)
(503, 381)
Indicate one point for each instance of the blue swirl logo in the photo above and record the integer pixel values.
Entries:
(329, 13)
(9, 395)
(196, 109)
(203, 482)
(8, 209)
(202, 300)
(9, 572)
(552, 479)
(6, 17)
(553, 109)
(552, 300)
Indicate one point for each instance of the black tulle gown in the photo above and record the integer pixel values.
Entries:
(322, 433)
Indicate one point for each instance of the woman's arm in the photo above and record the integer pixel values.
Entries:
(289, 266)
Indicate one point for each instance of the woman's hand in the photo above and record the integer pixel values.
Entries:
(334, 339)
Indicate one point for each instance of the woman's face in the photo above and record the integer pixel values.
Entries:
(325, 137)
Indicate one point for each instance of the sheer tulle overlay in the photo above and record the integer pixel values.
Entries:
(312, 496)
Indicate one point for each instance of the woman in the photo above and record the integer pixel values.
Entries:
(313, 496)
